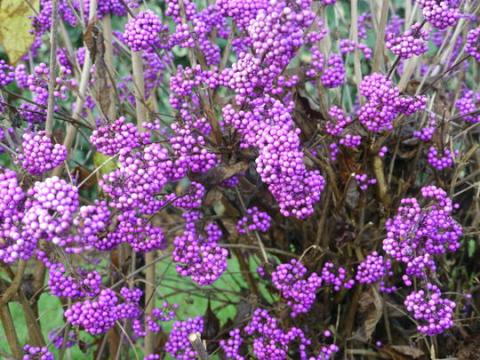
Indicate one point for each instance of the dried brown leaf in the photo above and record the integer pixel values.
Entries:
(413, 352)
(370, 312)
(402, 352)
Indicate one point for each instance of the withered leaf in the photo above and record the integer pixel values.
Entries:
(370, 311)
(413, 352)
(402, 352)
(103, 84)
(81, 173)
(221, 173)
(211, 326)
(90, 39)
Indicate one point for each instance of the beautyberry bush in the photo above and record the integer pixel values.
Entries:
(240, 179)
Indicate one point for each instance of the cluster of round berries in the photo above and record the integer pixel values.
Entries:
(384, 103)
(299, 291)
(412, 42)
(231, 346)
(348, 46)
(178, 344)
(37, 353)
(111, 138)
(316, 65)
(472, 45)
(467, 106)
(414, 236)
(440, 13)
(140, 177)
(39, 154)
(198, 256)
(99, 315)
(364, 181)
(7, 73)
(433, 313)
(14, 243)
(426, 133)
(334, 74)
(440, 161)
(418, 230)
(339, 120)
(351, 141)
(270, 341)
(50, 208)
(61, 339)
(338, 280)
(255, 220)
(373, 269)
(80, 284)
(143, 31)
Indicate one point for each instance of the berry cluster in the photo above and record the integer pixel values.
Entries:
(39, 154)
(364, 181)
(440, 161)
(472, 45)
(299, 291)
(412, 42)
(199, 256)
(417, 230)
(374, 268)
(433, 313)
(37, 353)
(467, 106)
(255, 220)
(338, 280)
(143, 31)
(6, 73)
(110, 139)
(384, 103)
(99, 315)
(440, 13)
(178, 344)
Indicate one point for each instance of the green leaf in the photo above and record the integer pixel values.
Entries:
(471, 247)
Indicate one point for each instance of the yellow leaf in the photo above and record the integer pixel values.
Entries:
(15, 26)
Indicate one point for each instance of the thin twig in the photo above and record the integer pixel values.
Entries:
(52, 69)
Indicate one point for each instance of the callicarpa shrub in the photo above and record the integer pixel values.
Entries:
(240, 179)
